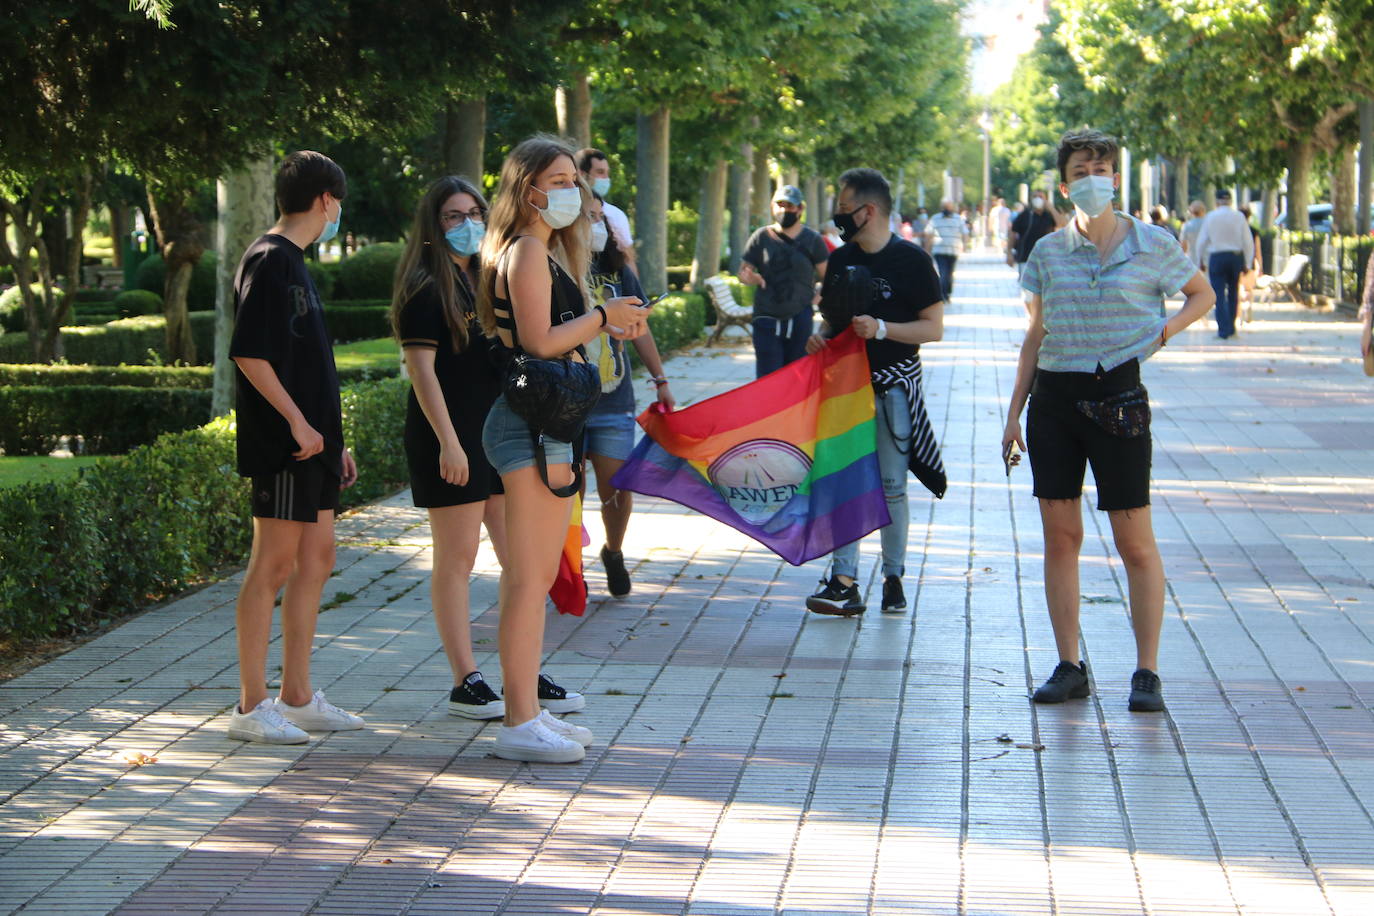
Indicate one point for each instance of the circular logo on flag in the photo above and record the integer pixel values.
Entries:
(757, 478)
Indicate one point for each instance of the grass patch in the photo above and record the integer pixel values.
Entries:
(40, 468)
(382, 353)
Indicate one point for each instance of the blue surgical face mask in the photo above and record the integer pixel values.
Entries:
(1092, 194)
(601, 186)
(466, 237)
(331, 229)
(565, 206)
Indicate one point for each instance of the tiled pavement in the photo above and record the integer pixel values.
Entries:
(752, 759)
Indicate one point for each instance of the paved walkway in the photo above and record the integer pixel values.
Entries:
(753, 759)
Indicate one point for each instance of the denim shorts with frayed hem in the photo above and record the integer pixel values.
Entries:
(509, 445)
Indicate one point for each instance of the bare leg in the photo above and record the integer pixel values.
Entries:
(537, 521)
(300, 606)
(1062, 521)
(495, 519)
(1134, 533)
(269, 566)
(456, 531)
(615, 504)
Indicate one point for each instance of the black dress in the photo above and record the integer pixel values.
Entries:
(469, 382)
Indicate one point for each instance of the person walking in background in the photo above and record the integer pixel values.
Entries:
(945, 234)
(1249, 279)
(1188, 237)
(785, 261)
(886, 289)
(1159, 216)
(532, 295)
(1096, 306)
(1029, 227)
(1224, 246)
(595, 170)
(290, 444)
(611, 426)
(453, 384)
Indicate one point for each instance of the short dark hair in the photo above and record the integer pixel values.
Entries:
(870, 186)
(304, 176)
(586, 156)
(1102, 146)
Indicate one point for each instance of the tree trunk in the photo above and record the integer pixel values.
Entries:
(1343, 192)
(816, 215)
(1181, 200)
(61, 314)
(1366, 176)
(710, 224)
(465, 134)
(246, 208)
(762, 210)
(119, 231)
(1267, 199)
(26, 216)
(651, 197)
(572, 103)
(182, 238)
(738, 202)
(1300, 156)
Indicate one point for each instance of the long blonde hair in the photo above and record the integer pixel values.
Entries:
(426, 260)
(510, 213)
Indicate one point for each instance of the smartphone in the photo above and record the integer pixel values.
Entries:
(1011, 456)
(655, 301)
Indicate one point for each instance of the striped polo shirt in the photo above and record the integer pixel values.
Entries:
(1103, 314)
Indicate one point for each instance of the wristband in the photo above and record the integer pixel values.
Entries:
(659, 382)
(1164, 336)
(602, 310)
(882, 330)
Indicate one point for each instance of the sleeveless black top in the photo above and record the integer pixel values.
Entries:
(565, 304)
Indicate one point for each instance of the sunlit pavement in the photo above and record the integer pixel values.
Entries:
(754, 759)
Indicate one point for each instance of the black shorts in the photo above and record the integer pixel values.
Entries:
(298, 492)
(1061, 441)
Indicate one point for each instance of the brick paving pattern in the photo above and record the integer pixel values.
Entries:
(755, 760)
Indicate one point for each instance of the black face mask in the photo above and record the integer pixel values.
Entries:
(947, 212)
(789, 219)
(846, 224)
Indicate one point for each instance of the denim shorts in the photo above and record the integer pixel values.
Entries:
(611, 435)
(509, 445)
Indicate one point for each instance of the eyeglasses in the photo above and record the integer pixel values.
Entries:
(458, 217)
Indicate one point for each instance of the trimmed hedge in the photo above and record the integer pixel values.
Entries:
(135, 528)
(678, 320)
(369, 273)
(126, 341)
(348, 322)
(59, 374)
(324, 274)
(94, 294)
(138, 302)
(109, 420)
(12, 307)
(152, 276)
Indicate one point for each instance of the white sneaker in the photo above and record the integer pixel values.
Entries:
(320, 715)
(536, 742)
(264, 723)
(578, 733)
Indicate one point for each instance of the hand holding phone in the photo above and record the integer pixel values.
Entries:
(1011, 455)
(655, 301)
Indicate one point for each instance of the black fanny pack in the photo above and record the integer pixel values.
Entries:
(554, 397)
(1125, 415)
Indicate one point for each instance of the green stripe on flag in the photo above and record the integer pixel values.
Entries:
(839, 452)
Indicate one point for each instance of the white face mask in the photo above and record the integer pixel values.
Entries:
(565, 206)
(1038, 202)
(599, 236)
(1092, 194)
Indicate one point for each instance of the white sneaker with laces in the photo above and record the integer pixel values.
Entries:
(319, 715)
(264, 723)
(578, 733)
(535, 742)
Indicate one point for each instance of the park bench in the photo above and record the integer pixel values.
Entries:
(728, 311)
(1286, 282)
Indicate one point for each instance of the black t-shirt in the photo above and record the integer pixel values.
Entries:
(280, 319)
(1030, 227)
(788, 267)
(467, 377)
(903, 283)
(610, 355)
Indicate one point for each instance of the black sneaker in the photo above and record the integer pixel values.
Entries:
(1069, 682)
(617, 576)
(1145, 695)
(894, 599)
(474, 699)
(836, 600)
(557, 700)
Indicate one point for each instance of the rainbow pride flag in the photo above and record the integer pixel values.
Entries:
(569, 591)
(789, 459)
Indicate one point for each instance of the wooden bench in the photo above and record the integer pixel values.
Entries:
(728, 311)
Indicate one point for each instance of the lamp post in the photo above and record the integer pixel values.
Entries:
(985, 123)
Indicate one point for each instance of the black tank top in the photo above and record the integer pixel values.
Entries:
(565, 303)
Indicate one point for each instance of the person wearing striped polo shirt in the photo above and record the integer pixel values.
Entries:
(1095, 297)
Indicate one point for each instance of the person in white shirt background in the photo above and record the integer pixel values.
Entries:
(1224, 248)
